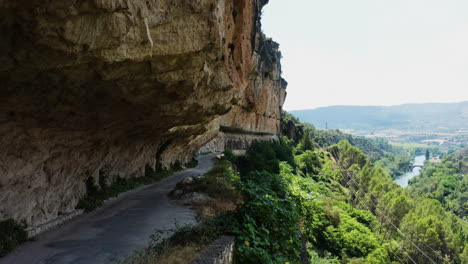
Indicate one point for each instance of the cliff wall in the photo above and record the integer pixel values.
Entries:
(116, 85)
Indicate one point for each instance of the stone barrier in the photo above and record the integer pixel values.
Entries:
(219, 252)
(39, 229)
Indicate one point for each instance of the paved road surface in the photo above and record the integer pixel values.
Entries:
(113, 231)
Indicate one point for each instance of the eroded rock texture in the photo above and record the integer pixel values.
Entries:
(93, 84)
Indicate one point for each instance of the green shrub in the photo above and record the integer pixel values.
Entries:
(268, 230)
(218, 182)
(308, 163)
(229, 156)
(11, 235)
(347, 155)
(265, 156)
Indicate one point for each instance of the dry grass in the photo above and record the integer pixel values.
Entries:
(174, 255)
(217, 184)
(214, 208)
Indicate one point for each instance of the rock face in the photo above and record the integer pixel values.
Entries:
(88, 86)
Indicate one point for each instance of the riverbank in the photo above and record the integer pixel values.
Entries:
(404, 179)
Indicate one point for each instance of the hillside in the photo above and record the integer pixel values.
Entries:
(299, 203)
(441, 117)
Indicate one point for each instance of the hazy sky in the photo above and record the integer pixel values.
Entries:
(371, 52)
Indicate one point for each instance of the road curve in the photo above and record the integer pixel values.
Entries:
(113, 231)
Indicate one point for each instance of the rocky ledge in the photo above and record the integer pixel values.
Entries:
(112, 85)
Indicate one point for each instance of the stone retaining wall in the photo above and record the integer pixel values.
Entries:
(39, 229)
(219, 252)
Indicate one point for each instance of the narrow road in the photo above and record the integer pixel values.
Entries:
(114, 231)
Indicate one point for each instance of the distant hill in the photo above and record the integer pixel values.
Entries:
(422, 117)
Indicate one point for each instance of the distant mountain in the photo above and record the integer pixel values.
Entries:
(421, 117)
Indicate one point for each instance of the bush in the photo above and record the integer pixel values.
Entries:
(218, 182)
(308, 163)
(11, 235)
(265, 156)
(268, 230)
(229, 156)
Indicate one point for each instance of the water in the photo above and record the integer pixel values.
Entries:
(404, 179)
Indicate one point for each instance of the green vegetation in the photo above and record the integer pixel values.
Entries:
(11, 235)
(267, 230)
(346, 211)
(310, 202)
(326, 138)
(281, 208)
(415, 148)
(263, 156)
(218, 182)
(410, 146)
(446, 182)
(395, 165)
(374, 148)
(329, 201)
(395, 158)
(97, 193)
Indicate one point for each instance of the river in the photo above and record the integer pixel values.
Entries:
(403, 179)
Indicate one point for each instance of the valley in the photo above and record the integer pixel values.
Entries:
(441, 126)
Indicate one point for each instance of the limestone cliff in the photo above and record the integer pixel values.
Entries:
(93, 84)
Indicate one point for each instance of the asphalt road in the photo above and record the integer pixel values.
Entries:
(114, 231)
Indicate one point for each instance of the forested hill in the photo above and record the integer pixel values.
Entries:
(446, 182)
(294, 129)
(431, 116)
(306, 199)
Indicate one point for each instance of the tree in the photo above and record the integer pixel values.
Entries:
(347, 155)
(307, 142)
(308, 163)
(427, 154)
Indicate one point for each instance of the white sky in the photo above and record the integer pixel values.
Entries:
(371, 52)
